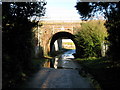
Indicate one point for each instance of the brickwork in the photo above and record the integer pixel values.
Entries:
(49, 28)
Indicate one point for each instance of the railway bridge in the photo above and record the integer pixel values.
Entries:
(52, 31)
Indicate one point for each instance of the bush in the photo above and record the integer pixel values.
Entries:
(90, 37)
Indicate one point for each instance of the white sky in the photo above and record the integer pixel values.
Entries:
(67, 40)
(61, 10)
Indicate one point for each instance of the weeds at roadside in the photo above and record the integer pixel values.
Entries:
(103, 70)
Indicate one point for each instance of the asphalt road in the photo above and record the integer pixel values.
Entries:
(63, 75)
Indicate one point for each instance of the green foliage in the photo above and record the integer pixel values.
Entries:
(91, 9)
(103, 70)
(18, 39)
(90, 37)
(111, 11)
(113, 26)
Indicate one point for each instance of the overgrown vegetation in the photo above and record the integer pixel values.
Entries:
(18, 40)
(111, 12)
(113, 26)
(103, 70)
(90, 38)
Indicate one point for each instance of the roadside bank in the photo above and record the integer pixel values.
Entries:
(104, 71)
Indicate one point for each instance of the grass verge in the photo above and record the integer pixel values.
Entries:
(106, 72)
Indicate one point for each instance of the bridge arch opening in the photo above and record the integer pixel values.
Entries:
(68, 44)
(61, 35)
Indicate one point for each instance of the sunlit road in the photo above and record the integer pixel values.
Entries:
(64, 75)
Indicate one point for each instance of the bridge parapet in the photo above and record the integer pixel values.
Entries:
(62, 28)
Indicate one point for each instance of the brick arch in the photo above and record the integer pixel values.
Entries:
(60, 35)
(48, 37)
(50, 29)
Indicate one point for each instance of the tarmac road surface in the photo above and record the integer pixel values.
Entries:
(63, 75)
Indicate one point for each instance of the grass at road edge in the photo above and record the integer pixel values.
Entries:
(104, 71)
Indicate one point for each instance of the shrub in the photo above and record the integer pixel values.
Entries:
(90, 37)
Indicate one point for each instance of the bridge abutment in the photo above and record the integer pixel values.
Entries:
(57, 45)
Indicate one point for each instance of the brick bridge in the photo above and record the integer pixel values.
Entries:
(50, 31)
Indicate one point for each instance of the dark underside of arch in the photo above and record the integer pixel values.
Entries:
(62, 35)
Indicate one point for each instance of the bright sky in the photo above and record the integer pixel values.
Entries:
(67, 40)
(61, 10)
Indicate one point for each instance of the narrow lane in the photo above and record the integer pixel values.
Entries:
(63, 75)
